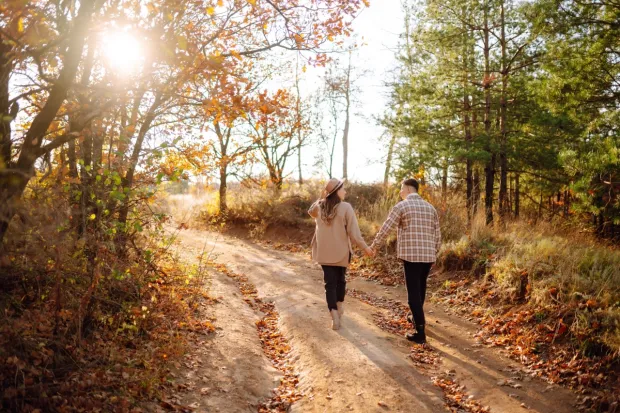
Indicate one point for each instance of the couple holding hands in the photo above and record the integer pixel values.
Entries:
(419, 239)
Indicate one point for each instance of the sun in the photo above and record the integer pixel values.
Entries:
(122, 52)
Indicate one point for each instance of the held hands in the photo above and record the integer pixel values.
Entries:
(369, 252)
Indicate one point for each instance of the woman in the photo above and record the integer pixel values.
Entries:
(336, 229)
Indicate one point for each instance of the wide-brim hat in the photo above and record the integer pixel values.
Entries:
(332, 186)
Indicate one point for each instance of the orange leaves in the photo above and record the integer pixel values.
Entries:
(299, 38)
(456, 397)
(235, 54)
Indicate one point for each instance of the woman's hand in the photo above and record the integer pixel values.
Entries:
(369, 252)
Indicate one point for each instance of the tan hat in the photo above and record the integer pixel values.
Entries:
(332, 186)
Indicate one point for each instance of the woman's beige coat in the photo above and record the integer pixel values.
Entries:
(331, 244)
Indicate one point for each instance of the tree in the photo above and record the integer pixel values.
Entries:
(273, 126)
(189, 43)
(341, 81)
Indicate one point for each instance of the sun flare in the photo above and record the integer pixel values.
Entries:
(122, 51)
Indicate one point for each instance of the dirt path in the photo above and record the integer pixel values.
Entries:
(359, 368)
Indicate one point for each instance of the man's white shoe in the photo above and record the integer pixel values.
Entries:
(335, 319)
(340, 305)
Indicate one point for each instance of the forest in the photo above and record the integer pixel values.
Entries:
(158, 159)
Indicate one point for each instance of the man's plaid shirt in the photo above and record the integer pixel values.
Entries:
(419, 236)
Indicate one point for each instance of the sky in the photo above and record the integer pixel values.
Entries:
(379, 28)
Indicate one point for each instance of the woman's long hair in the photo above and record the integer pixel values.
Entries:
(328, 207)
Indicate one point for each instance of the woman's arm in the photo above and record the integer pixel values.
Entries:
(314, 209)
(353, 229)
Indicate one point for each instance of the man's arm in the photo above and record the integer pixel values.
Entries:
(392, 220)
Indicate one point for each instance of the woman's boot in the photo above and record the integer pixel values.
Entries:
(340, 305)
(335, 319)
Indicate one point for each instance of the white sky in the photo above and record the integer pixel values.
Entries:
(379, 28)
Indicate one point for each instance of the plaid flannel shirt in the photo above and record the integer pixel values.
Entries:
(419, 236)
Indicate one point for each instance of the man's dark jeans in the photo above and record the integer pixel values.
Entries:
(416, 275)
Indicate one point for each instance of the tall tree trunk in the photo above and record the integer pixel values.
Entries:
(133, 163)
(223, 188)
(503, 158)
(6, 117)
(33, 140)
(299, 120)
(224, 139)
(517, 196)
(345, 135)
(469, 182)
(444, 181)
(477, 189)
(489, 168)
(388, 161)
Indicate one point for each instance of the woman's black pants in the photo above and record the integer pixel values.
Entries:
(335, 285)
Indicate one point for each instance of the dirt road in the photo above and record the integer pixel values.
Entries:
(359, 368)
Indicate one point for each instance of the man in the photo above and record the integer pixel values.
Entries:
(419, 239)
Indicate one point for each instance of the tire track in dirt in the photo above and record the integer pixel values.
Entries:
(275, 346)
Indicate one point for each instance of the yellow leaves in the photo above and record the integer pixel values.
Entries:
(366, 3)
(92, 217)
(182, 42)
(252, 2)
(330, 38)
(20, 25)
(220, 3)
(235, 54)
(210, 11)
(303, 69)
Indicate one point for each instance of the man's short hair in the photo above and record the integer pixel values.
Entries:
(412, 182)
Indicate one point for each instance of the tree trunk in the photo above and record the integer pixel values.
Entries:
(6, 117)
(476, 189)
(503, 159)
(298, 126)
(223, 188)
(444, 181)
(33, 140)
(345, 144)
(517, 196)
(466, 122)
(345, 135)
(133, 163)
(490, 165)
(388, 161)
